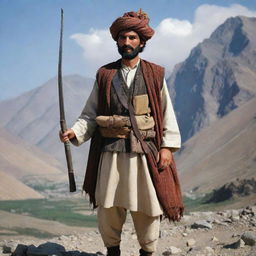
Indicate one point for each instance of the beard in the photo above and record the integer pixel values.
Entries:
(129, 55)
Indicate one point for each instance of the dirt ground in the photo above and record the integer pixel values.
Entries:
(226, 228)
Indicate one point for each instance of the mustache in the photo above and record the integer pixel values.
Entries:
(125, 47)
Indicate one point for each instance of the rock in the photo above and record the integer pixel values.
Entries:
(63, 237)
(190, 242)
(184, 234)
(9, 247)
(224, 224)
(208, 249)
(195, 251)
(201, 224)
(253, 209)
(172, 251)
(73, 238)
(186, 218)
(241, 243)
(21, 250)
(246, 211)
(215, 239)
(228, 220)
(235, 213)
(236, 235)
(249, 237)
(163, 233)
(6, 249)
(225, 214)
(46, 249)
(238, 244)
(235, 218)
(216, 221)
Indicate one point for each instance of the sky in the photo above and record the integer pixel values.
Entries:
(29, 35)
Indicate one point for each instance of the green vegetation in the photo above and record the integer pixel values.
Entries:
(64, 211)
(201, 204)
(42, 187)
(68, 211)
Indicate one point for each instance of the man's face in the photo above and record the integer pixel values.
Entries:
(129, 44)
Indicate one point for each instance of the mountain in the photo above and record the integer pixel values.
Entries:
(13, 189)
(22, 163)
(217, 79)
(34, 116)
(21, 160)
(220, 153)
(218, 76)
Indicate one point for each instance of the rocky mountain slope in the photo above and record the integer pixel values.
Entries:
(34, 116)
(217, 77)
(221, 152)
(20, 162)
(21, 191)
(22, 159)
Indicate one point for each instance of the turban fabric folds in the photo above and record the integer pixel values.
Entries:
(136, 21)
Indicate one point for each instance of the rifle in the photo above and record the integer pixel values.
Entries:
(63, 125)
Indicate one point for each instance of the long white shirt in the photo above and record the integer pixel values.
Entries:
(123, 178)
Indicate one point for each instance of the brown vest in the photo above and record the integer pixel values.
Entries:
(165, 181)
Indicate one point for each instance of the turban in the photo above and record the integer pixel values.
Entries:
(136, 21)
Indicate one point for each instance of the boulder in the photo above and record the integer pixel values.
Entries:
(201, 224)
(249, 237)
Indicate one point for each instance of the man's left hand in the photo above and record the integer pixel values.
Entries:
(165, 158)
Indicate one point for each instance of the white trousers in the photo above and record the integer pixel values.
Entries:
(111, 220)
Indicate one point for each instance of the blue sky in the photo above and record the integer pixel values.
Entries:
(29, 35)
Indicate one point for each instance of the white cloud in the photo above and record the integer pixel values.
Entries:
(98, 48)
(171, 43)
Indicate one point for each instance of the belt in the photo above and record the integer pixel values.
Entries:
(124, 133)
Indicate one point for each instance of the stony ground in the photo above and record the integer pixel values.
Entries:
(229, 232)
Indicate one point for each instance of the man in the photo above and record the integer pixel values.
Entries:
(131, 121)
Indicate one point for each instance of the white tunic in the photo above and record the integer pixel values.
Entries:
(123, 178)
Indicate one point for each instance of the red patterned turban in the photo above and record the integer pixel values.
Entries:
(136, 21)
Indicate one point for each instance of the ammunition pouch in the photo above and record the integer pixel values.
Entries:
(144, 122)
(117, 126)
(140, 104)
(124, 133)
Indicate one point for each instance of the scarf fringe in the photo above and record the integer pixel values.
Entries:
(174, 213)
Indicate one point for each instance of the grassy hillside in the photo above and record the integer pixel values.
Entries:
(75, 212)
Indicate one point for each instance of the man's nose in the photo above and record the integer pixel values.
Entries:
(126, 41)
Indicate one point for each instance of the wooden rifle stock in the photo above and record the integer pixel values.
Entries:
(72, 183)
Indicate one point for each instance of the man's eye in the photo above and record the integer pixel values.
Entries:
(132, 37)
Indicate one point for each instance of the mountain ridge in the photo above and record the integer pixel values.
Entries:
(221, 152)
(214, 81)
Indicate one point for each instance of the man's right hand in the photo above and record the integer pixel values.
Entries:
(67, 135)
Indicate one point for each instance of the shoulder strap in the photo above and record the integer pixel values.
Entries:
(129, 106)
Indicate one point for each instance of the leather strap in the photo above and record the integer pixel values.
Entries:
(128, 105)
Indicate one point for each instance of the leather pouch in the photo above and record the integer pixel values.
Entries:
(140, 104)
(145, 122)
(135, 144)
